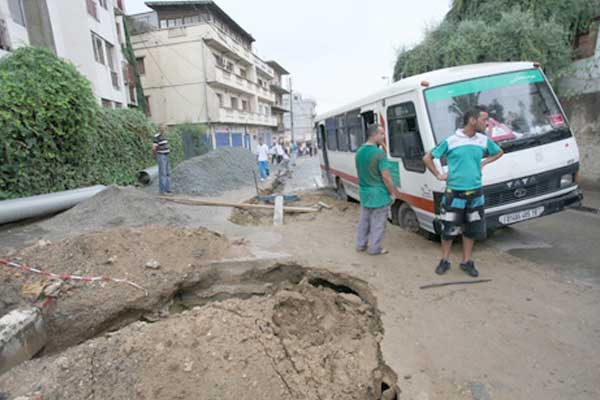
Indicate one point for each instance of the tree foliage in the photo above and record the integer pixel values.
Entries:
(502, 30)
(54, 136)
(47, 120)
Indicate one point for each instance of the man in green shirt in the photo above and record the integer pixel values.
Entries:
(376, 191)
(462, 205)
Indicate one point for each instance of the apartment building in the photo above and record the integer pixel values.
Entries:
(303, 111)
(197, 66)
(89, 33)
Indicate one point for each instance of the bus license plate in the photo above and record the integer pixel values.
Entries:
(521, 215)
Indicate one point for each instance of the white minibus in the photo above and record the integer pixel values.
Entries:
(535, 177)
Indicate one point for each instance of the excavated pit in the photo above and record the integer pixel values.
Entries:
(260, 217)
(219, 324)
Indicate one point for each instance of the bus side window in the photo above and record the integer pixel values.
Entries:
(405, 138)
(342, 133)
(355, 129)
(331, 134)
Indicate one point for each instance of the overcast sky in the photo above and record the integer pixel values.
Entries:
(336, 50)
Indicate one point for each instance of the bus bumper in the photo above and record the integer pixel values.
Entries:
(550, 206)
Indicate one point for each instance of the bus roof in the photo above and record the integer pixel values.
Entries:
(435, 78)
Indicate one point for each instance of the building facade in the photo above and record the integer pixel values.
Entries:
(88, 33)
(197, 66)
(303, 111)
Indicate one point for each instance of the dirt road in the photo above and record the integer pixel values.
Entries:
(530, 333)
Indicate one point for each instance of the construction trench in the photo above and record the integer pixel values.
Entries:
(203, 317)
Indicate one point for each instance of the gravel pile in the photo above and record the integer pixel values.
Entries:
(215, 172)
(115, 206)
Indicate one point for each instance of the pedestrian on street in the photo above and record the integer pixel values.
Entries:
(279, 151)
(160, 150)
(262, 156)
(376, 190)
(294, 151)
(462, 205)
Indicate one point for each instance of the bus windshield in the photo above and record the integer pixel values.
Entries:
(522, 109)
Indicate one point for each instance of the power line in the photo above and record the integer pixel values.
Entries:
(163, 74)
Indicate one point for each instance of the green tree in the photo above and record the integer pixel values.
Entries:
(47, 119)
(502, 30)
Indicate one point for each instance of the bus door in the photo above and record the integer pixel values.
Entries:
(322, 145)
(406, 150)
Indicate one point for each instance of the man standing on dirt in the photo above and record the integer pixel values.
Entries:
(262, 156)
(462, 205)
(376, 190)
(160, 150)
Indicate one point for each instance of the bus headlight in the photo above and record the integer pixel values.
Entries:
(566, 180)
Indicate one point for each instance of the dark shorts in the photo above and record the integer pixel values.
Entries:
(462, 213)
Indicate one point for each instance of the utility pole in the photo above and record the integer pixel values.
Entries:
(291, 109)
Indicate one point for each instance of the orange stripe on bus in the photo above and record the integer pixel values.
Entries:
(418, 202)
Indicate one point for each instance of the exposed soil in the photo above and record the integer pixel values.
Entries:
(280, 331)
(212, 323)
(117, 253)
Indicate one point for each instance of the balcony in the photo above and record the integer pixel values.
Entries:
(278, 89)
(263, 68)
(232, 116)
(228, 80)
(279, 108)
(219, 41)
(265, 94)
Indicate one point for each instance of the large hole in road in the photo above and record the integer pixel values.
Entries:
(226, 328)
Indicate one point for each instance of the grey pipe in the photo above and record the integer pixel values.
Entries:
(145, 176)
(37, 206)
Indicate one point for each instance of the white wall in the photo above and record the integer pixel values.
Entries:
(72, 26)
(17, 34)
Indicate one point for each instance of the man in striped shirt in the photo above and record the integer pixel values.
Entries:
(160, 149)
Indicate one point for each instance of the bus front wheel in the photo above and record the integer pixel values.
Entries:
(407, 219)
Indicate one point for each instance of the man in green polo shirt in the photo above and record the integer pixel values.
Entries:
(462, 205)
(376, 189)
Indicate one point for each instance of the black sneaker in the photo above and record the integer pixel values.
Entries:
(469, 268)
(442, 267)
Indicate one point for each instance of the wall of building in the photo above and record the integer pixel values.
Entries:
(583, 115)
(586, 75)
(174, 76)
(16, 34)
(581, 101)
(72, 27)
(304, 117)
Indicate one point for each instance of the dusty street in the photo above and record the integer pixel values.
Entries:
(533, 332)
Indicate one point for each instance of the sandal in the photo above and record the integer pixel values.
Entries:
(381, 252)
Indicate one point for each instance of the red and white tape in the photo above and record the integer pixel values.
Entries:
(27, 268)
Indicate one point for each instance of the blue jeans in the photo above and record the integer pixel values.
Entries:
(371, 229)
(263, 168)
(163, 173)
